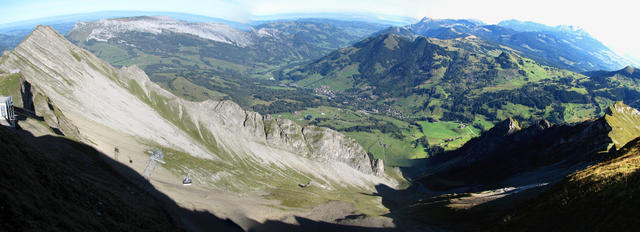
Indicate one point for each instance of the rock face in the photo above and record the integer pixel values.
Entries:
(378, 166)
(506, 127)
(329, 144)
(36, 104)
(313, 142)
(84, 88)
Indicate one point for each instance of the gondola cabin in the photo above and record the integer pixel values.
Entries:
(7, 115)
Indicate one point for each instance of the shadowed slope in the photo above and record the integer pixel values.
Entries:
(540, 153)
(51, 183)
(599, 198)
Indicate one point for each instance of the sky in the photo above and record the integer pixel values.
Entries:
(613, 22)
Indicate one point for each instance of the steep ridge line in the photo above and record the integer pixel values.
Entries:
(210, 139)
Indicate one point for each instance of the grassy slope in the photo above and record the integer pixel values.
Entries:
(189, 91)
(395, 151)
(599, 198)
(385, 146)
(10, 86)
(624, 122)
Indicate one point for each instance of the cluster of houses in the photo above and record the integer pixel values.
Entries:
(324, 91)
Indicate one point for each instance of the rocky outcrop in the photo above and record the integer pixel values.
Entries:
(506, 127)
(285, 133)
(35, 104)
(317, 143)
(311, 142)
(378, 166)
(332, 145)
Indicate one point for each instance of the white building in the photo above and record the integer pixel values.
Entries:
(7, 115)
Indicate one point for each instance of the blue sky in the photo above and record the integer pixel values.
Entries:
(614, 22)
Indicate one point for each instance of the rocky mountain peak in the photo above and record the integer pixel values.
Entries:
(630, 71)
(425, 19)
(619, 108)
(505, 127)
(42, 33)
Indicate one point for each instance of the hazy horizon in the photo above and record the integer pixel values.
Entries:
(608, 21)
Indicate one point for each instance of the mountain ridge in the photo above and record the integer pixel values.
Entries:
(562, 47)
(222, 146)
(228, 108)
(596, 198)
(628, 71)
(499, 156)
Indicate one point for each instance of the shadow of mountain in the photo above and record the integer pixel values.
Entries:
(51, 183)
(56, 184)
(415, 210)
(442, 197)
(600, 198)
(305, 224)
(22, 114)
(502, 158)
(400, 202)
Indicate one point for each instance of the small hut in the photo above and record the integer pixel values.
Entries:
(7, 115)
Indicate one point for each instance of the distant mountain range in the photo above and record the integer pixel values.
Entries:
(64, 23)
(458, 80)
(393, 20)
(17, 31)
(563, 46)
(72, 19)
(628, 72)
